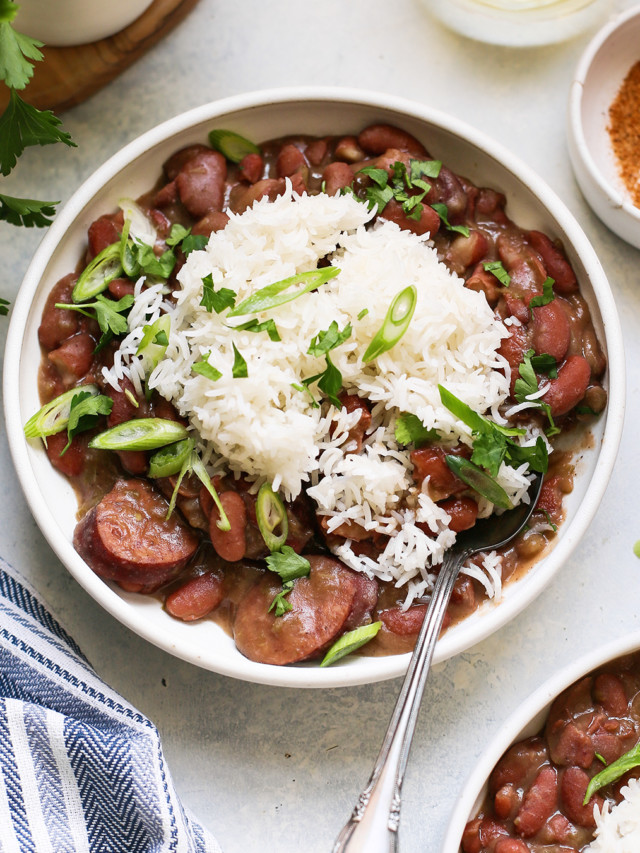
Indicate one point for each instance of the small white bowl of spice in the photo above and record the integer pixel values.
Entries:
(604, 125)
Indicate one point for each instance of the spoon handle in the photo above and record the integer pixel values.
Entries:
(373, 825)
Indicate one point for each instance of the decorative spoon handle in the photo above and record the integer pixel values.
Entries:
(373, 825)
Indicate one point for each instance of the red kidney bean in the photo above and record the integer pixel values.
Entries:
(573, 787)
(196, 598)
(403, 622)
(569, 388)
(251, 167)
(316, 151)
(58, 324)
(352, 403)
(471, 837)
(134, 461)
(336, 176)
(290, 160)
(301, 524)
(523, 265)
(241, 197)
(484, 282)
(550, 499)
(609, 691)
(463, 513)
(551, 330)
(430, 462)
(539, 803)
(124, 409)
(429, 221)
(388, 159)
(102, 233)
(216, 220)
(120, 287)
(348, 149)
(166, 195)
(517, 762)
(463, 594)
(510, 845)
(506, 802)
(465, 251)
(516, 306)
(555, 263)
(73, 357)
(180, 158)
(376, 138)
(573, 746)
(490, 203)
(347, 530)
(513, 349)
(71, 462)
(321, 603)
(447, 190)
(162, 224)
(127, 536)
(201, 183)
(231, 544)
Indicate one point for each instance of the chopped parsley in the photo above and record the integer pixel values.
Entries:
(443, 213)
(545, 297)
(401, 185)
(239, 369)
(205, 369)
(410, 430)
(329, 339)
(216, 300)
(84, 413)
(109, 314)
(498, 270)
(280, 603)
(288, 564)
(268, 326)
(527, 384)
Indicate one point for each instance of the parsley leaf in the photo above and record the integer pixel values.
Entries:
(146, 261)
(193, 243)
(305, 390)
(329, 339)
(205, 369)
(410, 430)
(109, 314)
(527, 384)
(268, 326)
(288, 564)
(443, 213)
(329, 381)
(216, 300)
(239, 369)
(26, 211)
(16, 49)
(84, 412)
(545, 297)
(177, 234)
(498, 270)
(279, 602)
(4, 307)
(545, 363)
(22, 125)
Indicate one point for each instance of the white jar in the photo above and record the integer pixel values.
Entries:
(519, 23)
(65, 22)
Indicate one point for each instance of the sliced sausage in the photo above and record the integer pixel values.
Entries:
(320, 605)
(128, 538)
(364, 601)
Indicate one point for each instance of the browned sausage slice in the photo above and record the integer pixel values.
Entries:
(321, 604)
(127, 537)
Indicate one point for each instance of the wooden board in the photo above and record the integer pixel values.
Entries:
(69, 75)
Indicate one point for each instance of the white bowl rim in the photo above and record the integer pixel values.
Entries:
(359, 670)
(510, 731)
(576, 128)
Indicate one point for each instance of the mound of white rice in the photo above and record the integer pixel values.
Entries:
(618, 828)
(264, 427)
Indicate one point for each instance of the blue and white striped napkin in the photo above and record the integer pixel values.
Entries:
(80, 768)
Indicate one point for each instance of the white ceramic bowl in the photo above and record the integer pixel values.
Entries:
(261, 116)
(527, 720)
(60, 23)
(602, 68)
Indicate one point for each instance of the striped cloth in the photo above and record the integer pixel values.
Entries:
(80, 768)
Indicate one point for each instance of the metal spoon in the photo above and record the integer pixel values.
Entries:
(373, 825)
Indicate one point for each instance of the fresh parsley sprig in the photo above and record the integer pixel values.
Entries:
(109, 314)
(527, 384)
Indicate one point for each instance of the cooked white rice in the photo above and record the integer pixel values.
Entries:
(618, 828)
(263, 427)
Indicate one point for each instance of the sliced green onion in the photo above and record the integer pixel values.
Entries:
(202, 474)
(613, 772)
(98, 273)
(274, 294)
(53, 417)
(271, 515)
(479, 481)
(169, 460)
(128, 259)
(232, 145)
(154, 342)
(395, 323)
(351, 641)
(140, 434)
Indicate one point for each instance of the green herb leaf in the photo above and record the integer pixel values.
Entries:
(150, 264)
(233, 146)
(4, 307)
(546, 297)
(498, 270)
(475, 477)
(613, 772)
(350, 642)
(395, 323)
(107, 312)
(329, 381)
(269, 326)
(419, 169)
(276, 294)
(527, 384)
(216, 300)
(305, 390)
(545, 363)
(22, 125)
(288, 564)
(280, 603)
(410, 430)
(271, 516)
(53, 417)
(443, 213)
(329, 339)
(17, 51)
(177, 234)
(239, 369)
(193, 243)
(26, 211)
(140, 434)
(154, 341)
(205, 369)
(84, 413)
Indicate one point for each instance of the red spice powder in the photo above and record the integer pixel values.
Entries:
(624, 130)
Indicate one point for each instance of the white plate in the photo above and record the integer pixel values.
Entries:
(261, 116)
